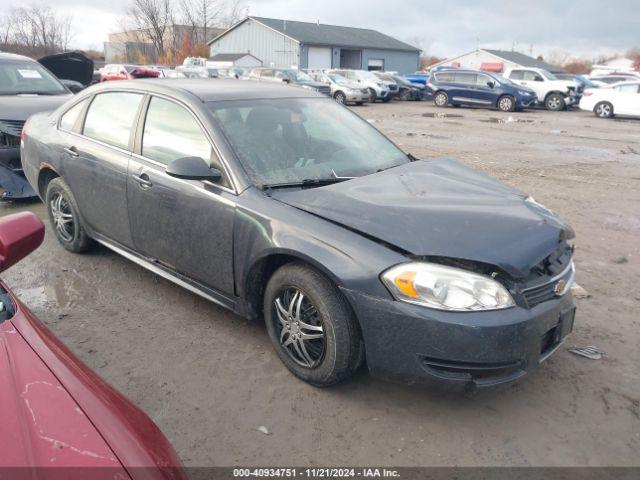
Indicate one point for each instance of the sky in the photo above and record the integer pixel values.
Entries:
(588, 28)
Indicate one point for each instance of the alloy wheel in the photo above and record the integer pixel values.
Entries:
(603, 110)
(300, 328)
(441, 100)
(62, 217)
(340, 98)
(506, 104)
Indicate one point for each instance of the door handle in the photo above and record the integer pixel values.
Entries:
(73, 151)
(143, 180)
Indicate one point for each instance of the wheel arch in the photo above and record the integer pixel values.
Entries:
(261, 270)
(45, 175)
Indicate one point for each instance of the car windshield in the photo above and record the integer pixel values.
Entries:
(298, 76)
(339, 79)
(28, 78)
(548, 75)
(301, 140)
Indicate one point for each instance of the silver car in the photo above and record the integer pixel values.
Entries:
(343, 90)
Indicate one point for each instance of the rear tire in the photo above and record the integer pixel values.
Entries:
(603, 110)
(555, 102)
(372, 95)
(506, 103)
(441, 99)
(319, 310)
(64, 217)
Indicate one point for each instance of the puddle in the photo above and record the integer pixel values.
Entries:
(45, 296)
(507, 120)
(427, 135)
(442, 115)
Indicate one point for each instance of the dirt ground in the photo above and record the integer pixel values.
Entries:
(209, 379)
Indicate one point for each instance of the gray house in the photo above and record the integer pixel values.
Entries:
(286, 43)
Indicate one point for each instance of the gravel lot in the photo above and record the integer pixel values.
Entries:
(209, 378)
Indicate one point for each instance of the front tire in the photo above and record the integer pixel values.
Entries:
(340, 98)
(603, 110)
(372, 95)
(64, 217)
(555, 102)
(441, 99)
(311, 326)
(506, 103)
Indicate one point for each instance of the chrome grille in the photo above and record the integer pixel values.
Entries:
(10, 133)
(549, 290)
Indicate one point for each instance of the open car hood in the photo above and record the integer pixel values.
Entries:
(70, 66)
(439, 208)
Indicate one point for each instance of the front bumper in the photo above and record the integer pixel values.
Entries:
(357, 97)
(12, 179)
(526, 102)
(414, 344)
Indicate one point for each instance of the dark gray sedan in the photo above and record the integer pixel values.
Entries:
(278, 203)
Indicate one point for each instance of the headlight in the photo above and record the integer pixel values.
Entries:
(522, 92)
(381, 85)
(445, 288)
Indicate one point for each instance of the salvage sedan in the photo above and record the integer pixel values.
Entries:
(281, 204)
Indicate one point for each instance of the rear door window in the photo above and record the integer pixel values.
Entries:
(465, 78)
(111, 116)
(516, 75)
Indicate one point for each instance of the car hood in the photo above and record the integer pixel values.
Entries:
(439, 208)
(21, 107)
(42, 425)
(70, 66)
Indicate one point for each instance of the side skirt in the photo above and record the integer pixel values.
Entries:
(172, 276)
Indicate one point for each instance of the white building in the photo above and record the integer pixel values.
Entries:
(496, 61)
(620, 64)
(241, 60)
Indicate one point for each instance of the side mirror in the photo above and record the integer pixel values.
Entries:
(193, 168)
(491, 84)
(20, 234)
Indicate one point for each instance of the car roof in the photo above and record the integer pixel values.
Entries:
(14, 56)
(211, 90)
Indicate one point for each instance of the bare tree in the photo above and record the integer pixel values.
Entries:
(35, 30)
(204, 15)
(154, 20)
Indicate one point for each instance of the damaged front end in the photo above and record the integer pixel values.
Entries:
(12, 180)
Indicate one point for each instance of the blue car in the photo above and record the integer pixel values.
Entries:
(419, 78)
(470, 87)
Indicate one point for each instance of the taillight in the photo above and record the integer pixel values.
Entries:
(587, 94)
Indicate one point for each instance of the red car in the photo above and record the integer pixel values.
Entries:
(58, 419)
(126, 72)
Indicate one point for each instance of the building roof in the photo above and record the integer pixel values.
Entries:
(524, 60)
(230, 57)
(320, 34)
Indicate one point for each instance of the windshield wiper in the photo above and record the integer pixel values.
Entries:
(307, 182)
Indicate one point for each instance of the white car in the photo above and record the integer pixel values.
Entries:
(619, 99)
(555, 94)
(378, 90)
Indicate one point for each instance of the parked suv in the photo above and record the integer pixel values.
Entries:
(470, 87)
(378, 90)
(555, 94)
(342, 90)
(291, 76)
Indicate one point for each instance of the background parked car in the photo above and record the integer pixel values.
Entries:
(619, 99)
(553, 93)
(290, 76)
(378, 90)
(387, 79)
(56, 413)
(606, 80)
(73, 69)
(126, 72)
(582, 80)
(470, 87)
(408, 90)
(26, 87)
(419, 78)
(342, 90)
